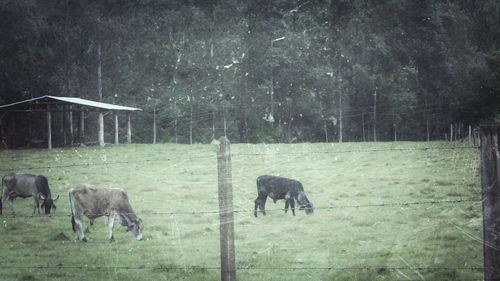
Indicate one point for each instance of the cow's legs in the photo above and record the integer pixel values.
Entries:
(77, 222)
(6, 197)
(289, 202)
(36, 204)
(11, 206)
(260, 203)
(111, 223)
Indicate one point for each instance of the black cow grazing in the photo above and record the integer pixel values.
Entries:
(93, 202)
(27, 185)
(281, 188)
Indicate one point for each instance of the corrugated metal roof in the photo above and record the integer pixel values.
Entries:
(79, 101)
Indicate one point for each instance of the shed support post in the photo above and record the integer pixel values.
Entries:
(81, 130)
(71, 130)
(49, 128)
(63, 126)
(101, 129)
(129, 129)
(116, 128)
(2, 130)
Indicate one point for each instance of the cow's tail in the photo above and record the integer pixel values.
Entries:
(72, 208)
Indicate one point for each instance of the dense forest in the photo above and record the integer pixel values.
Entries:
(262, 70)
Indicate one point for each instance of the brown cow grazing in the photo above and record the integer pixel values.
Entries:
(27, 185)
(93, 202)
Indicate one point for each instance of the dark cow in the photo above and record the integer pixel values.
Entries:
(281, 188)
(93, 202)
(27, 185)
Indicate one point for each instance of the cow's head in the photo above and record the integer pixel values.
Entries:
(48, 204)
(308, 207)
(136, 226)
(305, 204)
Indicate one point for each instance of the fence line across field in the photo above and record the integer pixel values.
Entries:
(14, 158)
(271, 153)
(241, 211)
(195, 268)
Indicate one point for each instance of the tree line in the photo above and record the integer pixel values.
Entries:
(262, 70)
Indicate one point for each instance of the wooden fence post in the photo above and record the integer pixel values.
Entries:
(226, 226)
(490, 176)
(129, 129)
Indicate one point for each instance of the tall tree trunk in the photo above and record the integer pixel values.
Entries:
(325, 127)
(395, 131)
(340, 119)
(427, 128)
(225, 125)
(213, 125)
(290, 119)
(99, 92)
(191, 120)
(99, 73)
(154, 125)
(175, 121)
(363, 124)
(375, 115)
(67, 70)
(49, 127)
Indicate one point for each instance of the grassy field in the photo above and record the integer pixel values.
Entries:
(362, 229)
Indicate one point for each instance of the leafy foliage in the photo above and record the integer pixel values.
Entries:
(229, 65)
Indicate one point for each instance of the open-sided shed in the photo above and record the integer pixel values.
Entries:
(50, 104)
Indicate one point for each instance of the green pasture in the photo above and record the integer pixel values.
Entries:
(384, 211)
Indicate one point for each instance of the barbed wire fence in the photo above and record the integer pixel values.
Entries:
(225, 210)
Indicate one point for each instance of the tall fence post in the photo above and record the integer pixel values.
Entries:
(226, 217)
(490, 176)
